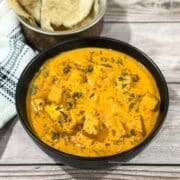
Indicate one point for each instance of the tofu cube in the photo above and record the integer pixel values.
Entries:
(55, 94)
(52, 111)
(91, 126)
(137, 124)
(149, 102)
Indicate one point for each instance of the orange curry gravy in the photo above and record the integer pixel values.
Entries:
(93, 102)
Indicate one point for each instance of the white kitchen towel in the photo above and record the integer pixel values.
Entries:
(14, 56)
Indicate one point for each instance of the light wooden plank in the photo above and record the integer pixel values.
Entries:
(64, 172)
(143, 11)
(18, 148)
(159, 41)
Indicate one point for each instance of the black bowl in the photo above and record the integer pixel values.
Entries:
(86, 162)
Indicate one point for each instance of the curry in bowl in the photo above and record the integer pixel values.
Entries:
(93, 102)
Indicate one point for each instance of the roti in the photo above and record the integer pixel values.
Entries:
(96, 7)
(56, 15)
(33, 7)
(14, 4)
(65, 13)
(93, 13)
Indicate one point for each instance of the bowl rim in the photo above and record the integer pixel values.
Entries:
(101, 158)
(87, 26)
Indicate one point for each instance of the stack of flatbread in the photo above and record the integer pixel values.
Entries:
(55, 15)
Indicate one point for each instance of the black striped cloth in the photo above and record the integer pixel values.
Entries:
(14, 56)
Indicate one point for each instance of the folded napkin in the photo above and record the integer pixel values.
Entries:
(14, 56)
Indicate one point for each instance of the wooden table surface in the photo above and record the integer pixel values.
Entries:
(154, 27)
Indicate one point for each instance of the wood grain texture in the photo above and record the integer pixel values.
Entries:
(20, 149)
(16, 147)
(153, 26)
(143, 11)
(160, 41)
(64, 172)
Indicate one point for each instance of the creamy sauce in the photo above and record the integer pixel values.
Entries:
(93, 102)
